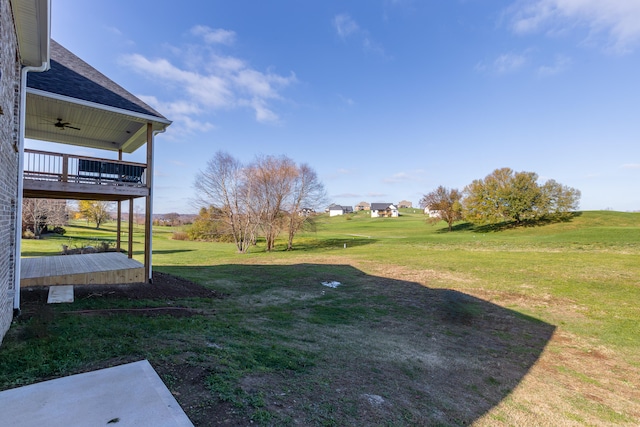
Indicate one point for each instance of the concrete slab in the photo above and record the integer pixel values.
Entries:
(126, 395)
(60, 294)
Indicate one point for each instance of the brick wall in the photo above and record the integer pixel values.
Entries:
(9, 126)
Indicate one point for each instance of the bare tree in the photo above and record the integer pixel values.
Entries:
(224, 184)
(307, 192)
(273, 179)
(38, 214)
(268, 195)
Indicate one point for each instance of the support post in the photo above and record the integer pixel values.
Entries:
(130, 254)
(119, 220)
(65, 168)
(149, 206)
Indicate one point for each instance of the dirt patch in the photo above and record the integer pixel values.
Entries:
(187, 382)
(147, 311)
(164, 287)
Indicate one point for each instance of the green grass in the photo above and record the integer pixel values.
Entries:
(579, 261)
(580, 276)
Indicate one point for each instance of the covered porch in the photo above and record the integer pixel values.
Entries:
(75, 105)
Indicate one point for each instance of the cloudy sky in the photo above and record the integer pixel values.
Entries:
(385, 99)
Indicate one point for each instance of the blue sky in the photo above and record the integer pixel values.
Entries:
(385, 99)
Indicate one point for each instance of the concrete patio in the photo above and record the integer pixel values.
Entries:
(125, 395)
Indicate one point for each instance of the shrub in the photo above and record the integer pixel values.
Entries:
(28, 234)
(180, 235)
(103, 246)
(59, 230)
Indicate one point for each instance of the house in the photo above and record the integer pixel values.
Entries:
(335, 210)
(24, 44)
(49, 94)
(306, 212)
(386, 210)
(363, 206)
(433, 213)
(405, 204)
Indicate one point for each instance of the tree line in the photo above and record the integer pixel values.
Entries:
(239, 202)
(503, 196)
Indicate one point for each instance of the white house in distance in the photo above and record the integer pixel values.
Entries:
(405, 204)
(335, 210)
(384, 210)
(433, 213)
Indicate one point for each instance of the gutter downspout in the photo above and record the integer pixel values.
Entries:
(153, 155)
(23, 114)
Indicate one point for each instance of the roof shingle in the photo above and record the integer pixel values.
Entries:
(71, 76)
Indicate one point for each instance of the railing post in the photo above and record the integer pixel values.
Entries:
(65, 168)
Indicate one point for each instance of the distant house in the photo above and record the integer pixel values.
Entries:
(405, 204)
(433, 213)
(363, 206)
(385, 210)
(335, 210)
(306, 212)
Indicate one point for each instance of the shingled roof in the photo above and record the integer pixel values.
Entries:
(381, 206)
(100, 113)
(71, 76)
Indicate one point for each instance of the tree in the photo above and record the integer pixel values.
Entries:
(273, 179)
(266, 195)
(307, 192)
(559, 199)
(172, 219)
(38, 214)
(446, 202)
(209, 225)
(505, 195)
(224, 184)
(97, 211)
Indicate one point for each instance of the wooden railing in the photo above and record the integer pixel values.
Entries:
(47, 166)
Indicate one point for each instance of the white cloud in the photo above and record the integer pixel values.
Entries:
(631, 166)
(181, 112)
(560, 64)
(346, 27)
(617, 20)
(214, 35)
(508, 62)
(113, 30)
(206, 81)
(503, 64)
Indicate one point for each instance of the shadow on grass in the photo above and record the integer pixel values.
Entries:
(350, 242)
(507, 225)
(282, 346)
(455, 355)
(166, 251)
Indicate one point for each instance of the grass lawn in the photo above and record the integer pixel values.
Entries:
(528, 326)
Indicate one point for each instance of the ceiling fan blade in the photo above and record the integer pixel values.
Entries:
(72, 127)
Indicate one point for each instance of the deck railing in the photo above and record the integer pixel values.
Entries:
(47, 166)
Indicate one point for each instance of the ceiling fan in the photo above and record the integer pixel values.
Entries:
(64, 125)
